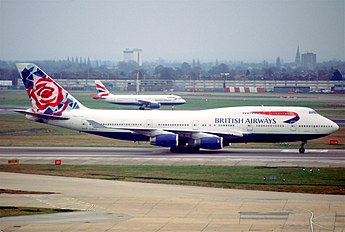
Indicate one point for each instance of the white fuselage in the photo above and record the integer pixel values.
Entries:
(233, 124)
(143, 99)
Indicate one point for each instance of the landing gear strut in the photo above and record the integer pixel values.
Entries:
(302, 149)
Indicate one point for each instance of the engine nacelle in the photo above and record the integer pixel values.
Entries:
(154, 106)
(210, 143)
(164, 140)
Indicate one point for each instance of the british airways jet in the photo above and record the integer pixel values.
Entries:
(144, 101)
(182, 131)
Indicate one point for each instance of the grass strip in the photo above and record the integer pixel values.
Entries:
(282, 179)
(8, 211)
(15, 191)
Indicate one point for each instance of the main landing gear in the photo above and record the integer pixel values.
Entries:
(302, 149)
(184, 149)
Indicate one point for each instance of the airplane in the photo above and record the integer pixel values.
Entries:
(181, 130)
(144, 101)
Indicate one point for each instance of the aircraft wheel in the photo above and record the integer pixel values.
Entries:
(181, 149)
(193, 149)
(178, 149)
(301, 150)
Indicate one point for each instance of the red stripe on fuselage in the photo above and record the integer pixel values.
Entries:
(276, 113)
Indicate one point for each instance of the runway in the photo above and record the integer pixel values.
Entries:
(148, 155)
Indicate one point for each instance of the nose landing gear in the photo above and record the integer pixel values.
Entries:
(302, 149)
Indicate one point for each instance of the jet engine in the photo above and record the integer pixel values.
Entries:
(210, 142)
(154, 106)
(164, 140)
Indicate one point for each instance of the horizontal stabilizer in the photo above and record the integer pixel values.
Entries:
(39, 115)
(95, 124)
(95, 96)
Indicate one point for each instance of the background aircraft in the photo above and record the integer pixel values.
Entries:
(144, 101)
(180, 130)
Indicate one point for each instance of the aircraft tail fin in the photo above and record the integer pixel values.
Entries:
(46, 96)
(102, 91)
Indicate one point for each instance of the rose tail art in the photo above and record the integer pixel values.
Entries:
(46, 95)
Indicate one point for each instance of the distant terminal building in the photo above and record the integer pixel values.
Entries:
(339, 88)
(5, 84)
(133, 55)
(291, 89)
(151, 85)
(309, 61)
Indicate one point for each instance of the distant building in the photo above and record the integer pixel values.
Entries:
(133, 55)
(127, 55)
(298, 58)
(278, 63)
(309, 61)
(291, 89)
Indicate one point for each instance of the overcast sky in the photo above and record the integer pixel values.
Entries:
(231, 30)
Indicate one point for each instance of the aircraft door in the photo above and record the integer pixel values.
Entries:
(84, 124)
(195, 125)
(293, 127)
(249, 127)
(149, 123)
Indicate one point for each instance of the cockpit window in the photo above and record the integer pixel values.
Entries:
(312, 112)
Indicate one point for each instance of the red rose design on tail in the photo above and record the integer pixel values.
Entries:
(47, 96)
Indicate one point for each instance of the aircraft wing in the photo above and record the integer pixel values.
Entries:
(181, 132)
(147, 102)
(156, 131)
(189, 133)
(43, 116)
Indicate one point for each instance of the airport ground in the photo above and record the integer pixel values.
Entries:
(107, 205)
(17, 131)
(110, 205)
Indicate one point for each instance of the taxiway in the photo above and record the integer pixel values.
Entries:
(149, 155)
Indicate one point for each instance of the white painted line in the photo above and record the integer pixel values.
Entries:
(306, 151)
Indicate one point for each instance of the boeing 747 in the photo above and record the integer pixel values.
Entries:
(182, 131)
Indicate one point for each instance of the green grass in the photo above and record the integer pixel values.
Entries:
(194, 101)
(325, 180)
(18, 124)
(8, 211)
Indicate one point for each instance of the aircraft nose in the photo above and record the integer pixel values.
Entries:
(335, 126)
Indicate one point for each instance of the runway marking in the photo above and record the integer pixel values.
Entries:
(307, 151)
